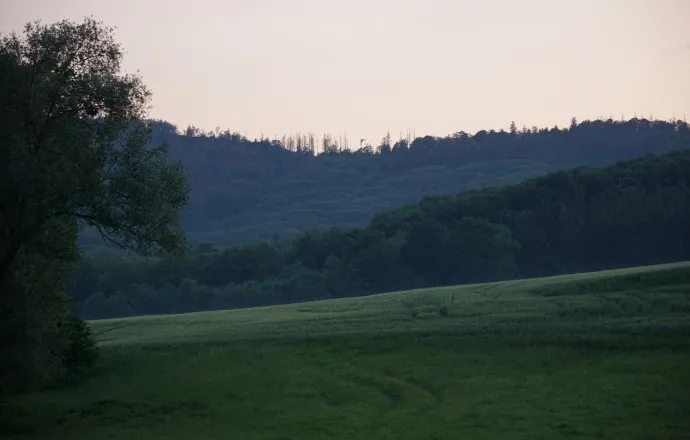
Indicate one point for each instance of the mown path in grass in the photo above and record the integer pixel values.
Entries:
(590, 356)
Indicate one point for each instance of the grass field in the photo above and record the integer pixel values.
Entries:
(589, 356)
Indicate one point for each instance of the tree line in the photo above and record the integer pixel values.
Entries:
(244, 191)
(635, 212)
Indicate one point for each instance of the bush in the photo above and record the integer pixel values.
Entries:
(81, 352)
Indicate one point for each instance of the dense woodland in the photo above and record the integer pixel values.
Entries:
(245, 191)
(635, 212)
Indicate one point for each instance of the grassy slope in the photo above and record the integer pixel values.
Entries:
(600, 355)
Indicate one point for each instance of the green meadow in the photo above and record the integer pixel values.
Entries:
(601, 355)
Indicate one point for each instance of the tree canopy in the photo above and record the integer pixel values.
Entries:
(75, 146)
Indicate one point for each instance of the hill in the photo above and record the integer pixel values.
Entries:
(248, 191)
(630, 214)
(598, 355)
(579, 304)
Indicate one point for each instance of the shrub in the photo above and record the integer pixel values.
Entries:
(81, 352)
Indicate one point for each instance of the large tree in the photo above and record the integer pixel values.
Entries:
(74, 152)
(74, 144)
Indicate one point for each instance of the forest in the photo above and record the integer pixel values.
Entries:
(244, 191)
(631, 213)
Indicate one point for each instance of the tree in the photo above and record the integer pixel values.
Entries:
(74, 144)
(33, 311)
(74, 153)
(481, 251)
(425, 250)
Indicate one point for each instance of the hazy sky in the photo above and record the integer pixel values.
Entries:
(365, 67)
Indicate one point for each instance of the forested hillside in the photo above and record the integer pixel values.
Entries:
(633, 213)
(245, 191)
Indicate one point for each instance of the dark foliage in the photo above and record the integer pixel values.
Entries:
(246, 191)
(633, 213)
(81, 352)
(41, 344)
(74, 151)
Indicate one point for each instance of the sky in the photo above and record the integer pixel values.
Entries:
(430, 67)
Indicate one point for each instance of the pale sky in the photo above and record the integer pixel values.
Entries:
(364, 67)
